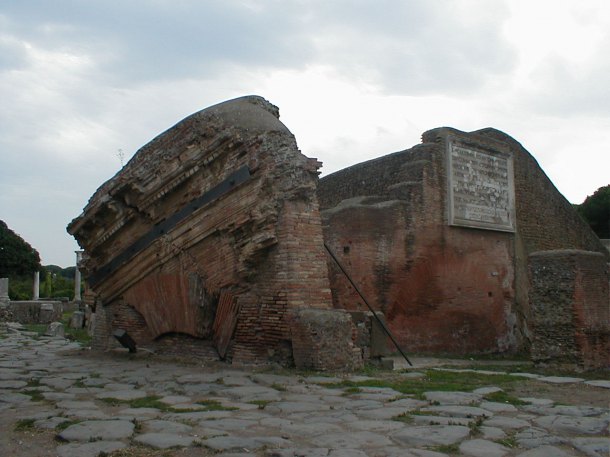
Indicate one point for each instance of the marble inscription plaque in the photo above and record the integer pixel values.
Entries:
(481, 189)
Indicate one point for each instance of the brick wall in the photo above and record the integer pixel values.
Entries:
(261, 241)
(443, 288)
(570, 305)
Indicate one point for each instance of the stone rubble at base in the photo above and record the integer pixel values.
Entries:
(269, 414)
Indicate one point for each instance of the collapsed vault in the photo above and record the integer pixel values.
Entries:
(213, 230)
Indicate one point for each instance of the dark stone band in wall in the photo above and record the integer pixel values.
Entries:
(233, 180)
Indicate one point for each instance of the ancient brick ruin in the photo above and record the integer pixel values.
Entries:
(212, 231)
(438, 237)
(212, 235)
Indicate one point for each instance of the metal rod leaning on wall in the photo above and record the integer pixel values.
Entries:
(383, 326)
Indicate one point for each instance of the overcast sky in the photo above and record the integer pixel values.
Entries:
(83, 82)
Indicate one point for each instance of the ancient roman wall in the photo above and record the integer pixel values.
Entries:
(212, 230)
(438, 237)
(442, 288)
(570, 306)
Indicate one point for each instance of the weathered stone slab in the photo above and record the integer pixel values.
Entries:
(458, 411)
(431, 435)
(509, 423)
(535, 437)
(561, 379)
(164, 426)
(89, 449)
(363, 439)
(545, 451)
(55, 329)
(164, 440)
(107, 430)
(483, 448)
(593, 447)
(599, 383)
(123, 395)
(573, 425)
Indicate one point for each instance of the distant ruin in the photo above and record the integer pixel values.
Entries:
(213, 236)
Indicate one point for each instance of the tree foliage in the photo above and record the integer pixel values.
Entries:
(17, 257)
(596, 211)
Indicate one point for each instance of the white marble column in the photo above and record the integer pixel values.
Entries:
(36, 291)
(79, 256)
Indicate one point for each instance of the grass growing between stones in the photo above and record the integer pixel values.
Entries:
(407, 418)
(503, 397)
(509, 442)
(23, 425)
(35, 394)
(153, 401)
(67, 423)
(450, 449)
(434, 380)
(40, 329)
(262, 404)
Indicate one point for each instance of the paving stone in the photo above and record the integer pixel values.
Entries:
(164, 440)
(87, 414)
(383, 413)
(352, 441)
(138, 413)
(292, 407)
(229, 424)
(374, 425)
(410, 403)
(58, 383)
(600, 383)
(544, 451)
(580, 411)
(509, 423)
(497, 407)
(535, 437)
(253, 392)
(271, 379)
(76, 404)
(124, 395)
(12, 384)
(453, 398)
(92, 430)
(458, 411)
(440, 420)
(297, 452)
(159, 426)
(593, 447)
(572, 425)
(492, 433)
(431, 435)
(560, 379)
(401, 452)
(486, 390)
(527, 375)
(309, 430)
(222, 443)
(14, 398)
(89, 449)
(347, 453)
(57, 396)
(483, 448)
